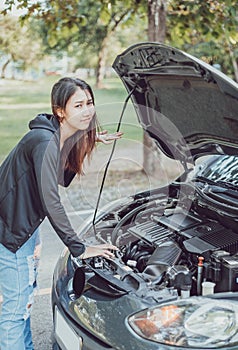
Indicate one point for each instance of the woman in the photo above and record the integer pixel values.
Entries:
(51, 153)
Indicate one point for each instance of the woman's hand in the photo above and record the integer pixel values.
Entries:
(99, 250)
(106, 138)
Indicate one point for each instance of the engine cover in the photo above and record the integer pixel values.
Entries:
(200, 236)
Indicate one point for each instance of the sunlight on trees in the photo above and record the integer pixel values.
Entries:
(19, 44)
(93, 31)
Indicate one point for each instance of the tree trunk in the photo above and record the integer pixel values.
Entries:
(156, 33)
(157, 20)
(101, 63)
(235, 65)
(4, 67)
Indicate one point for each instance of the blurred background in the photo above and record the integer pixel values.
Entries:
(43, 40)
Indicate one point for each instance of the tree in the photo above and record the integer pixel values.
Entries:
(113, 14)
(18, 44)
(210, 27)
(190, 24)
(156, 33)
(89, 23)
(157, 20)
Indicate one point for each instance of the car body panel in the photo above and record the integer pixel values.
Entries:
(172, 238)
(103, 315)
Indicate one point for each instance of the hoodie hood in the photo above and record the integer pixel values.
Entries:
(44, 121)
(187, 106)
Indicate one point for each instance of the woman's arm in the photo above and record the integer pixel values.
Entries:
(46, 164)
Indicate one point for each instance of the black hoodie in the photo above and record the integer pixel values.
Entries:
(29, 179)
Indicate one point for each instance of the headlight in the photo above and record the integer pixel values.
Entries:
(195, 322)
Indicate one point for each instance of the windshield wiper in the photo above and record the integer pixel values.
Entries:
(228, 185)
(204, 179)
(222, 183)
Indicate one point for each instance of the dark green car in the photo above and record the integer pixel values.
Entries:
(174, 281)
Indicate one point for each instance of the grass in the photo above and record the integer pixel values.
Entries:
(21, 101)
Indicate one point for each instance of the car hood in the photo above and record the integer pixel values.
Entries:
(187, 106)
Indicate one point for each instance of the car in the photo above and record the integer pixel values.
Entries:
(173, 283)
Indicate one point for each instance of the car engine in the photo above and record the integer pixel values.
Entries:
(166, 245)
(187, 249)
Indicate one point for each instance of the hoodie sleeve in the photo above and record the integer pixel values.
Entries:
(45, 159)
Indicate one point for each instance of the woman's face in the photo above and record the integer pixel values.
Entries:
(79, 111)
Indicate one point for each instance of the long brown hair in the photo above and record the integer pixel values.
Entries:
(82, 143)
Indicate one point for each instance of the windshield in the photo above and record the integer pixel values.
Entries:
(224, 168)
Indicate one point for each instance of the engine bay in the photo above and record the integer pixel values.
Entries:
(165, 249)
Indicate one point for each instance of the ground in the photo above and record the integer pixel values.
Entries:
(125, 176)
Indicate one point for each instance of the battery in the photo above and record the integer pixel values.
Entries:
(229, 273)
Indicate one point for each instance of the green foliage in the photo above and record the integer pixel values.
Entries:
(19, 43)
(211, 19)
(81, 26)
(208, 29)
(78, 25)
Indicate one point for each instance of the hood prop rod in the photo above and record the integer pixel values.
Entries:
(110, 158)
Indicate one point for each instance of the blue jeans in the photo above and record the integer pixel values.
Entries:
(16, 283)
